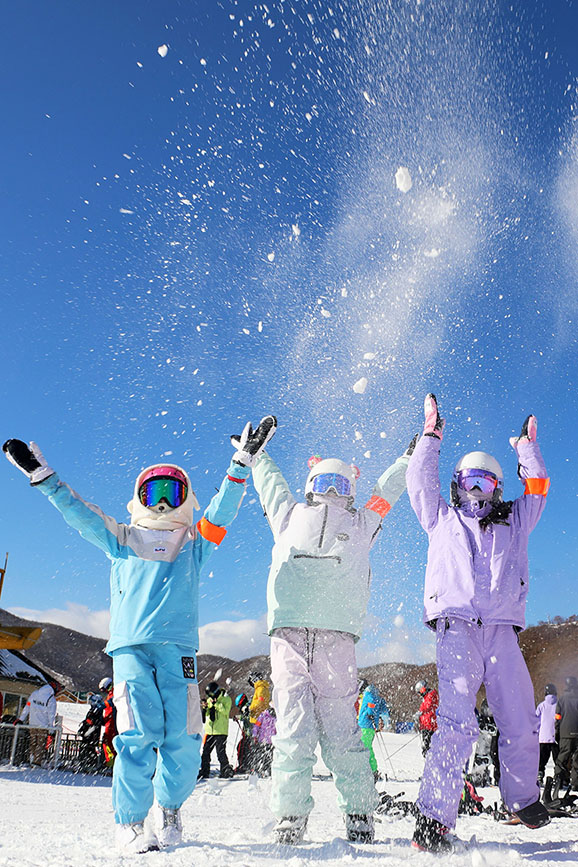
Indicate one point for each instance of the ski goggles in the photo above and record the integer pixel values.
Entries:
(324, 481)
(485, 482)
(174, 491)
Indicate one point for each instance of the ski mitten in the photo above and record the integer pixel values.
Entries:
(251, 442)
(29, 460)
(434, 425)
(410, 449)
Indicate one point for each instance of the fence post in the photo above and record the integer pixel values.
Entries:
(13, 750)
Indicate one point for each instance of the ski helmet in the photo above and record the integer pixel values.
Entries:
(571, 682)
(362, 685)
(213, 689)
(421, 687)
(550, 689)
(477, 476)
(241, 701)
(158, 482)
(331, 474)
(254, 676)
(105, 684)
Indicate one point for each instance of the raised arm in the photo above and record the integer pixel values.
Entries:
(90, 521)
(274, 494)
(423, 481)
(531, 471)
(391, 484)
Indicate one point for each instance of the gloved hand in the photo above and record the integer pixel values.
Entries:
(29, 460)
(409, 450)
(251, 442)
(527, 434)
(434, 425)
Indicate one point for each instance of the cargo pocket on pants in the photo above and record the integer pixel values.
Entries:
(194, 717)
(124, 715)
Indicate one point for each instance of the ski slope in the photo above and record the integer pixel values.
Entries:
(50, 819)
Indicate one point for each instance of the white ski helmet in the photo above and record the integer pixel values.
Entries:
(486, 464)
(105, 684)
(173, 518)
(332, 466)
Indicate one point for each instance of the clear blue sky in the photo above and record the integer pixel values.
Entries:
(193, 240)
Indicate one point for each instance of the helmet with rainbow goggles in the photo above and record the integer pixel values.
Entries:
(331, 474)
(477, 476)
(166, 483)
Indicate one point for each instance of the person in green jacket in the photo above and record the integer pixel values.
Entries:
(216, 707)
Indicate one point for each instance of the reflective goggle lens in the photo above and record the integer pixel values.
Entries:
(324, 481)
(484, 481)
(154, 490)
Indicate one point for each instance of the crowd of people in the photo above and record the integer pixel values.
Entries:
(318, 589)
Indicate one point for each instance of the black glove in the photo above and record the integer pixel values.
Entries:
(251, 442)
(410, 449)
(29, 460)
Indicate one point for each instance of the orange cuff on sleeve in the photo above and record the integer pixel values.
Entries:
(379, 505)
(537, 486)
(211, 532)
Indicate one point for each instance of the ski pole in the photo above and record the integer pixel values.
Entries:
(385, 751)
(399, 749)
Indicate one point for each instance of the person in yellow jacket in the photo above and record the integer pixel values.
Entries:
(217, 708)
(261, 696)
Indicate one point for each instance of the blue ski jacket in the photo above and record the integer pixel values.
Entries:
(373, 708)
(154, 579)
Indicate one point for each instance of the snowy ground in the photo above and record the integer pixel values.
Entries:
(55, 818)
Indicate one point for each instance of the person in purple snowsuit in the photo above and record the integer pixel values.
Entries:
(475, 596)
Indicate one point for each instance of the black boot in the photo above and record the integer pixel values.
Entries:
(534, 815)
(290, 830)
(430, 836)
(359, 828)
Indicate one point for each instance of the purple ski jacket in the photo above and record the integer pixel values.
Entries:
(546, 710)
(452, 585)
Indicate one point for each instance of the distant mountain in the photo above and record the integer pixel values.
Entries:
(79, 662)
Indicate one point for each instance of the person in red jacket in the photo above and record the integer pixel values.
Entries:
(426, 716)
(106, 689)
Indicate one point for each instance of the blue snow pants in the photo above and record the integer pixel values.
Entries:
(158, 717)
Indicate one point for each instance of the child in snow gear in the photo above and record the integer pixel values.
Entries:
(261, 695)
(373, 717)
(426, 715)
(546, 713)
(567, 736)
(217, 708)
(263, 732)
(475, 595)
(317, 596)
(244, 747)
(156, 562)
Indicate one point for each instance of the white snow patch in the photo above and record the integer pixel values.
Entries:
(360, 386)
(163, 50)
(403, 179)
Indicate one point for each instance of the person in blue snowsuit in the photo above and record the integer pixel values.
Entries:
(373, 718)
(156, 562)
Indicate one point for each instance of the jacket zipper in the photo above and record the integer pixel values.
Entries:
(323, 527)
(317, 557)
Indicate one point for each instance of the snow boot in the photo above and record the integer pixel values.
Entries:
(431, 836)
(359, 827)
(227, 773)
(290, 830)
(132, 840)
(168, 826)
(534, 815)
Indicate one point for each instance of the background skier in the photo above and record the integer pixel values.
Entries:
(217, 709)
(567, 736)
(475, 596)
(373, 718)
(546, 713)
(40, 712)
(261, 694)
(427, 713)
(317, 596)
(156, 563)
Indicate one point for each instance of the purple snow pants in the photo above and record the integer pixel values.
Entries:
(468, 655)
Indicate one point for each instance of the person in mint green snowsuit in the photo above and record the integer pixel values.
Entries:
(317, 596)
(154, 582)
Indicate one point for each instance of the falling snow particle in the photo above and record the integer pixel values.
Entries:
(296, 230)
(368, 356)
(403, 179)
(125, 211)
(270, 256)
(163, 50)
(325, 313)
(367, 454)
(203, 62)
(431, 254)
(360, 386)
(343, 292)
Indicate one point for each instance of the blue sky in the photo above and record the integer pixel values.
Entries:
(194, 240)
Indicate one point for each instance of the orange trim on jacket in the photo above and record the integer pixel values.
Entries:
(211, 532)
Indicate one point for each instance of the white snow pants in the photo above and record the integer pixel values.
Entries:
(314, 675)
